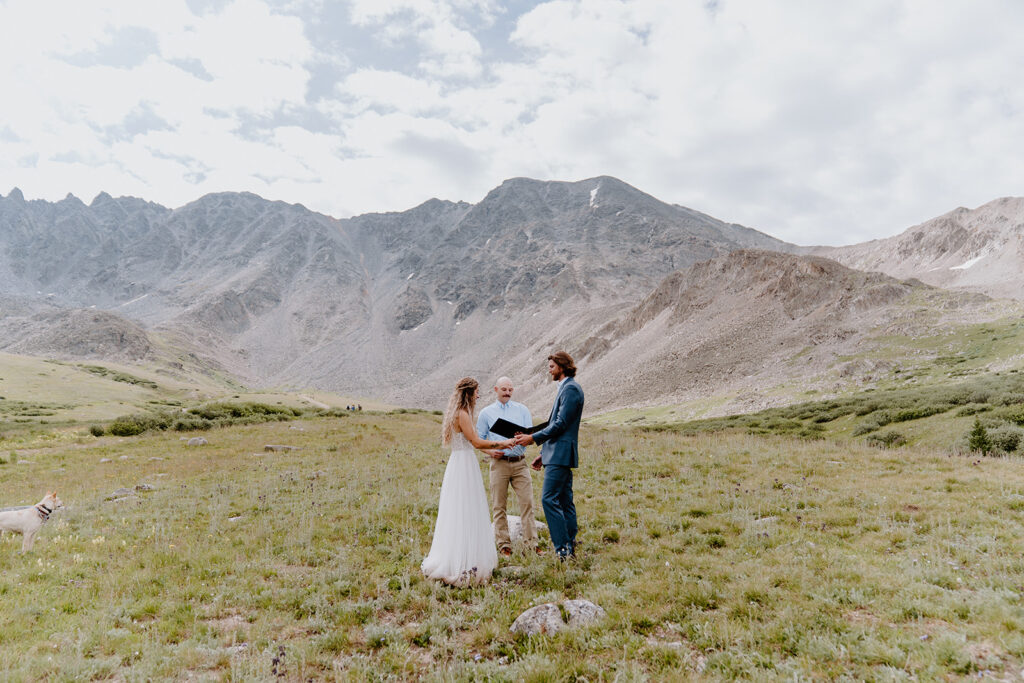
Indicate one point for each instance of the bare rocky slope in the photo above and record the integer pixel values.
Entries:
(980, 250)
(659, 303)
(391, 305)
(743, 325)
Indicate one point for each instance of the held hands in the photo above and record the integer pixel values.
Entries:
(523, 439)
(506, 444)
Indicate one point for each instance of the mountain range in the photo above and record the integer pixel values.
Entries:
(660, 303)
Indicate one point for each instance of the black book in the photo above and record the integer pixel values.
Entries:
(509, 429)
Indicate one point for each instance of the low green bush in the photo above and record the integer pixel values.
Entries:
(202, 418)
(1013, 413)
(1006, 438)
(889, 439)
(865, 428)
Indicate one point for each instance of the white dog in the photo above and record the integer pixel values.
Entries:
(28, 521)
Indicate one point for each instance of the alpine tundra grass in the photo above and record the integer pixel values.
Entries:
(716, 556)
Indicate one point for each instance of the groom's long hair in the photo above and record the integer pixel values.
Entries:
(463, 398)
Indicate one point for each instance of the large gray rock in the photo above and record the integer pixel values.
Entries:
(197, 441)
(548, 618)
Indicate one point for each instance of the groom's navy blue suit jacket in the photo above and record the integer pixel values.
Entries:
(559, 441)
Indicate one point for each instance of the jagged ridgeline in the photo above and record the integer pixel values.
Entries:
(383, 304)
(662, 305)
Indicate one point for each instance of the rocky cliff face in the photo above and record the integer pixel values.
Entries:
(740, 324)
(980, 250)
(386, 305)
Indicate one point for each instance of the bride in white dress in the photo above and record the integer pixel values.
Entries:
(463, 551)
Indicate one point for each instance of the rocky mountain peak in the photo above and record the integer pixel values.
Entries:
(978, 250)
(16, 195)
(101, 198)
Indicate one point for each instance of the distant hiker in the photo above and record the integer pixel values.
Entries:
(508, 467)
(559, 453)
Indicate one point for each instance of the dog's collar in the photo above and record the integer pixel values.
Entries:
(44, 512)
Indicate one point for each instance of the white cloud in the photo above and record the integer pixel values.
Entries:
(816, 122)
(448, 48)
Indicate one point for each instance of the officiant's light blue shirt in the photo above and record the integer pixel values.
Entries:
(511, 411)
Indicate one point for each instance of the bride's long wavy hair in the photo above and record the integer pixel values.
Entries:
(463, 398)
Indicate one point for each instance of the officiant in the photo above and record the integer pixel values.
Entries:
(508, 467)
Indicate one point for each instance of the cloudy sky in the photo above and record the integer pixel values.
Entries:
(817, 122)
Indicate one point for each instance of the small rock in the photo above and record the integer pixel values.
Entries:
(297, 428)
(106, 460)
(197, 441)
(25, 462)
(125, 457)
(317, 474)
(234, 519)
(277, 447)
(120, 493)
(144, 487)
(155, 458)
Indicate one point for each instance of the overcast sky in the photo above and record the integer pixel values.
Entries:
(816, 122)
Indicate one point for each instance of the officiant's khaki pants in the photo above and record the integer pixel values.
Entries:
(517, 474)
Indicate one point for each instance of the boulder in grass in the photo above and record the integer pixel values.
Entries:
(583, 613)
(550, 618)
(197, 441)
(277, 448)
(120, 494)
(542, 619)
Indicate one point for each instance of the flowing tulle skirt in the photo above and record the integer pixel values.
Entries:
(463, 551)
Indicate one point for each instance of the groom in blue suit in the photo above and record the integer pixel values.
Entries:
(559, 453)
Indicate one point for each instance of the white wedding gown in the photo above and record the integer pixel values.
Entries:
(463, 551)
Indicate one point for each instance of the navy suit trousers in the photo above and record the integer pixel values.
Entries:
(559, 510)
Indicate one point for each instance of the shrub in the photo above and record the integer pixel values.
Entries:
(1014, 414)
(1006, 438)
(882, 417)
(978, 439)
(202, 418)
(97, 430)
(918, 413)
(972, 409)
(131, 425)
(889, 439)
(865, 428)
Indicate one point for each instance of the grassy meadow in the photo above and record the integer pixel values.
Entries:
(717, 555)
